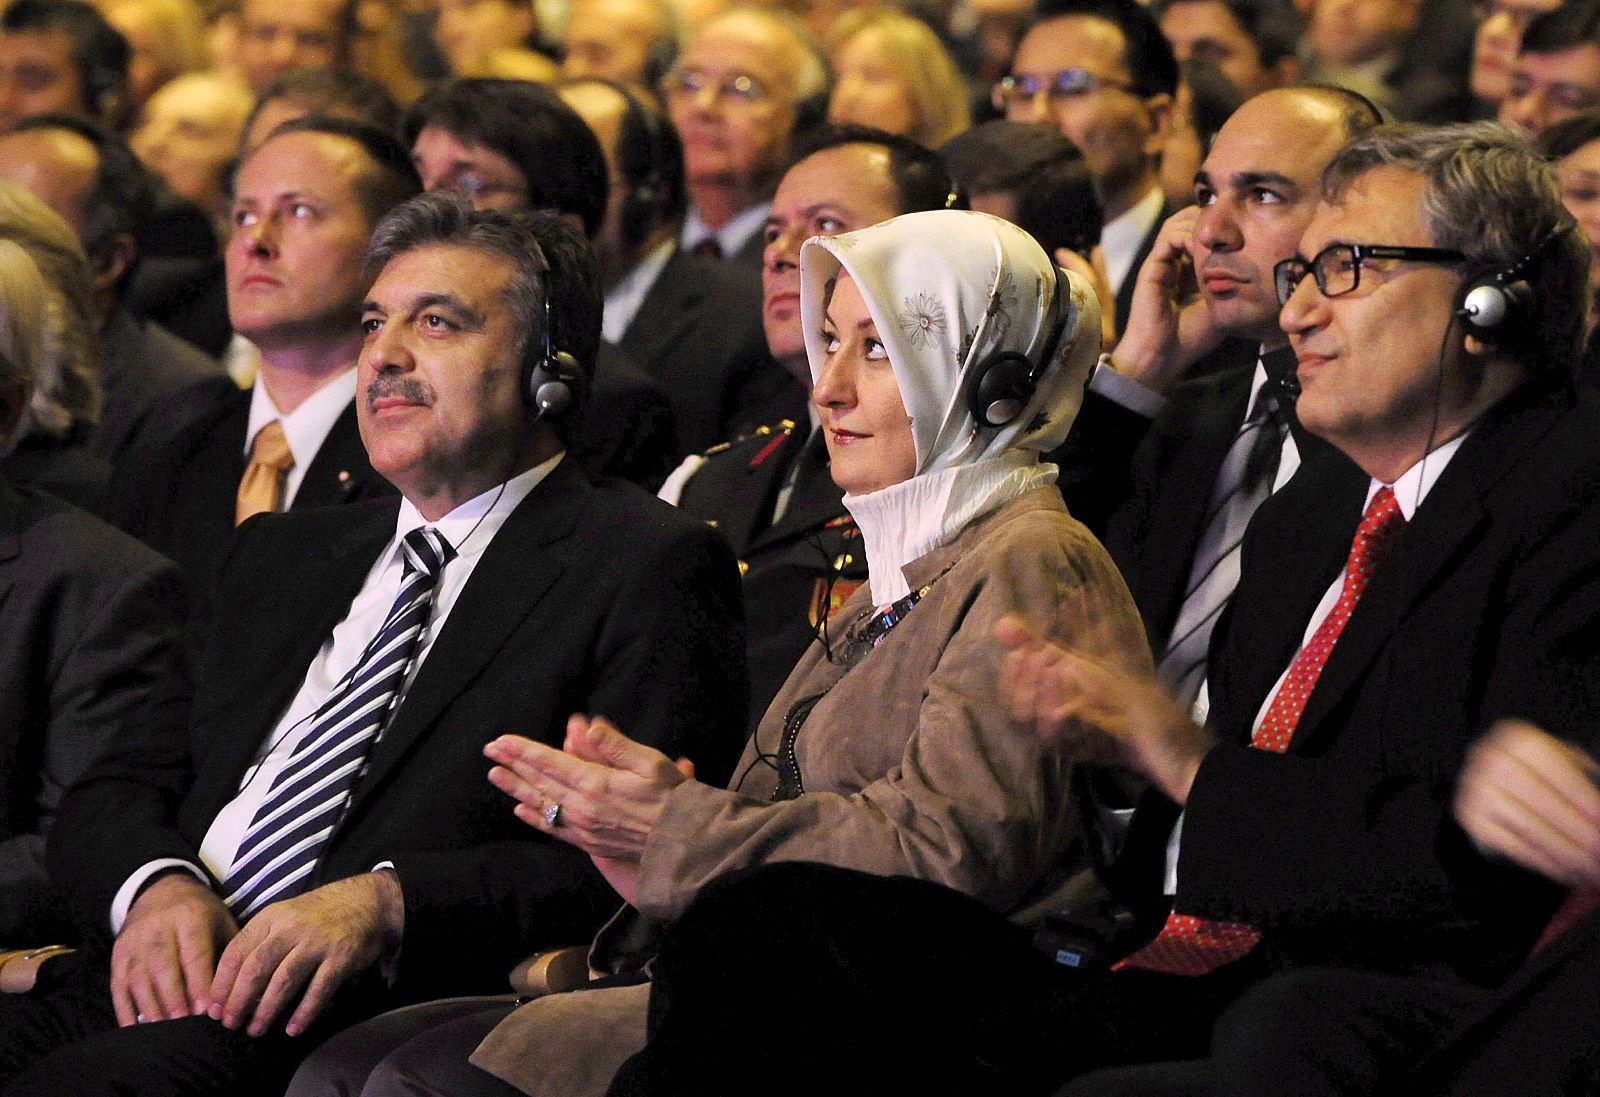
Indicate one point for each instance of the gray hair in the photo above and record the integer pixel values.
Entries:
(24, 315)
(1490, 197)
(440, 217)
(66, 393)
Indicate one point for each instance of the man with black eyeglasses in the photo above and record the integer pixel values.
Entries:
(1101, 73)
(1380, 627)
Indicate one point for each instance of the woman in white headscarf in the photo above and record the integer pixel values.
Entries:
(888, 749)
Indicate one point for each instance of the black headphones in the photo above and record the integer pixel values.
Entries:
(551, 378)
(1497, 307)
(1001, 385)
(646, 204)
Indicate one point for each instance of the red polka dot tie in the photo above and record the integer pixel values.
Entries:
(1188, 945)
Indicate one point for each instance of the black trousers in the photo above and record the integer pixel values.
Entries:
(1322, 1033)
(64, 1039)
(800, 979)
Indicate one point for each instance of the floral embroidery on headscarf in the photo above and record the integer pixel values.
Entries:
(1002, 302)
(923, 321)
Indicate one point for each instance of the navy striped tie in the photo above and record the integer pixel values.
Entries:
(292, 825)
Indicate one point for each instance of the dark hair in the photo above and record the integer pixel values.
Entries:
(649, 158)
(1491, 198)
(393, 177)
(98, 50)
(529, 125)
(124, 192)
(1045, 173)
(1272, 27)
(338, 91)
(1563, 138)
(1152, 70)
(922, 179)
(1574, 23)
(567, 275)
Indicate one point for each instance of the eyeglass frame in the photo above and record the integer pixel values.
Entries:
(1057, 86)
(753, 91)
(1359, 254)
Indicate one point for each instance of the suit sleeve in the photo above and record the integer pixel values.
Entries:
(124, 655)
(1331, 842)
(972, 804)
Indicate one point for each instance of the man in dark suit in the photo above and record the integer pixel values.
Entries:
(511, 144)
(1148, 463)
(88, 631)
(746, 85)
(305, 203)
(690, 322)
(550, 594)
(1101, 72)
(154, 383)
(1378, 629)
(771, 492)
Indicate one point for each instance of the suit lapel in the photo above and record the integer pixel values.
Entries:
(666, 315)
(340, 472)
(1186, 489)
(11, 504)
(1444, 526)
(516, 571)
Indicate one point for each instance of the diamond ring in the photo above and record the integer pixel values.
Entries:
(552, 815)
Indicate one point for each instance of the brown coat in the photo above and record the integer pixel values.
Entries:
(909, 763)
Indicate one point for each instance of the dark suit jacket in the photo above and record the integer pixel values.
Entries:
(178, 495)
(591, 598)
(155, 385)
(812, 557)
(698, 331)
(1487, 605)
(88, 630)
(627, 429)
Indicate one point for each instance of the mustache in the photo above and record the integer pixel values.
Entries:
(406, 388)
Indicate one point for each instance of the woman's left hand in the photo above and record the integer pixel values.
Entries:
(609, 789)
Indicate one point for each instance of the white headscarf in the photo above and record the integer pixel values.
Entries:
(947, 290)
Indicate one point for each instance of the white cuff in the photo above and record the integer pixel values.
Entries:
(1124, 391)
(672, 490)
(130, 887)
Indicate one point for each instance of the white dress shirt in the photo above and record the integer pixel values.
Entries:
(1121, 236)
(731, 236)
(623, 301)
(469, 529)
(1410, 489)
(305, 428)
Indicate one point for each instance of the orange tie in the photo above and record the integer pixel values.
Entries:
(1188, 945)
(262, 486)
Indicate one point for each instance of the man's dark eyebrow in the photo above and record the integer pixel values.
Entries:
(469, 316)
(1263, 178)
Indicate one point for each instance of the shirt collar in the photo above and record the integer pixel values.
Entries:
(1121, 236)
(622, 303)
(731, 236)
(1417, 481)
(307, 426)
(472, 525)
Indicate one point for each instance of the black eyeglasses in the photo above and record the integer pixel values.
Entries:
(1337, 268)
(1066, 84)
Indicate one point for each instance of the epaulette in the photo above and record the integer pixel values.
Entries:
(782, 428)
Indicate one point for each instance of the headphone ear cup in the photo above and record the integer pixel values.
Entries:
(1000, 388)
(1493, 309)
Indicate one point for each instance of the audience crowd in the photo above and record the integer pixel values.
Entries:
(578, 547)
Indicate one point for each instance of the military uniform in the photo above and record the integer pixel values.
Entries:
(796, 570)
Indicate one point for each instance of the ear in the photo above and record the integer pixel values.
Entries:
(1160, 107)
(1477, 347)
(111, 260)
